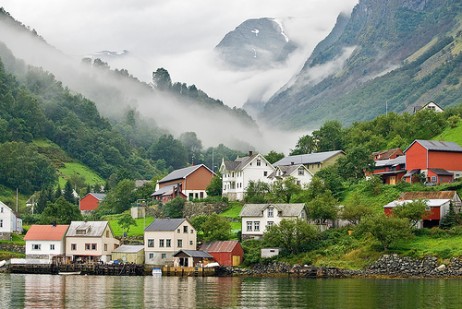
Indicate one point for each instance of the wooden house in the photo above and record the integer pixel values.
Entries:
(43, 242)
(437, 161)
(191, 258)
(226, 253)
(90, 202)
(129, 254)
(189, 183)
(313, 161)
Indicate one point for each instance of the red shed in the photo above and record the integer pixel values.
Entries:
(226, 253)
(90, 202)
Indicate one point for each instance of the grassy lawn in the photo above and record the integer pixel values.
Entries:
(74, 168)
(137, 230)
(420, 246)
(451, 135)
(233, 210)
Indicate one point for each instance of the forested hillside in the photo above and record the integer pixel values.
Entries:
(386, 56)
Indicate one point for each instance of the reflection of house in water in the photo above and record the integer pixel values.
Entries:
(166, 293)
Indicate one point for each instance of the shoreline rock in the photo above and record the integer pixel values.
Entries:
(388, 266)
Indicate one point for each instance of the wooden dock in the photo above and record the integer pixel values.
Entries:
(84, 269)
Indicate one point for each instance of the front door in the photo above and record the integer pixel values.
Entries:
(392, 180)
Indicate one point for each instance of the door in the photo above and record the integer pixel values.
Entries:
(392, 180)
(236, 260)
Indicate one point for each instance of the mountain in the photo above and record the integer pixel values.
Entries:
(256, 43)
(116, 92)
(385, 56)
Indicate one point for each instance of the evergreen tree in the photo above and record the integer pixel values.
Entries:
(58, 192)
(69, 192)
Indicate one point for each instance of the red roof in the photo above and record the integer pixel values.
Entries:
(220, 246)
(46, 232)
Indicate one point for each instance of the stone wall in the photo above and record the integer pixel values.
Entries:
(10, 247)
(194, 209)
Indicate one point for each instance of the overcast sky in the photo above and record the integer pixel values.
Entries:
(179, 35)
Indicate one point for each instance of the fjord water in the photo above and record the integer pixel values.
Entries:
(54, 291)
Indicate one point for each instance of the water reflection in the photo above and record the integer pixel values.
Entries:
(54, 291)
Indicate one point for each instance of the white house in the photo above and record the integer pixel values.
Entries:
(237, 174)
(45, 241)
(9, 222)
(314, 162)
(256, 218)
(299, 172)
(165, 237)
(430, 106)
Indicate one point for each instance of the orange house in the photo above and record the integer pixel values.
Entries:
(189, 183)
(226, 253)
(90, 202)
(439, 161)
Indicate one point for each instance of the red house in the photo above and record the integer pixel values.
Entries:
(390, 170)
(226, 253)
(439, 161)
(90, 202)
(189, 183)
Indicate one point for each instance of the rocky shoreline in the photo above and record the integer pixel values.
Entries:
(388, 266)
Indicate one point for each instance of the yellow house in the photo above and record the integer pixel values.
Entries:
(312, 161)
(129, 254)
(90, 241)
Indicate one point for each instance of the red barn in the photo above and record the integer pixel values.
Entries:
(226, 253)
(439, 161)
(90, 202)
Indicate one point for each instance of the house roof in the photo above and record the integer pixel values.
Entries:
(220, 246)
(412, 172)
(88, 228)
(195, 254)
(437, 145)
(182, 173)
(287, 170)
(240, 163)
(441, 172)
(165, 225)
(391, 162)
(98, 196)
(167, 190)
(287, 210)
(426, 195)
(386, 154)
(46, 232)
(129, 249)
(310, 158)
(429, 202)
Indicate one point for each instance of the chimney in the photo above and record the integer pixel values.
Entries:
(250, 153)
(292, 163)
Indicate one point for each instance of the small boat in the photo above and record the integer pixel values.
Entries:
(67, 273)
(157, 272)
(2, 263)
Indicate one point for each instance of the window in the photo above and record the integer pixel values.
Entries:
(151, 243)
(93, 247)
(180, 243)
(270, 223)
(256, 226)
(201, 194)
(433, 179)
(192, 231)
(151, 256)
(249, 226)
(301, 171)
(73, 247)
(270, 212)
(1, 209)
(161, 243)
(105, 247)
(1, 222)
(258, 162)
(164, 255)
(90, 246)
(52, 247)
(265, 173)
(191, 197)
(168, 243)
(107, 234)
(36, 246)
(190, 242)
(177, 230)
(185, 228)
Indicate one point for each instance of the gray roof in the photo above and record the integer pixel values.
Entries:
(437, 145)
(164, 225)
(310, 158)
(441, 172)
(195, 254)
(129, 249)
(391, 162)
(182, 173)
(256, 210)
(239, 163)
(164, 190)
(88, 228)
(99, 196)
(286, 170)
